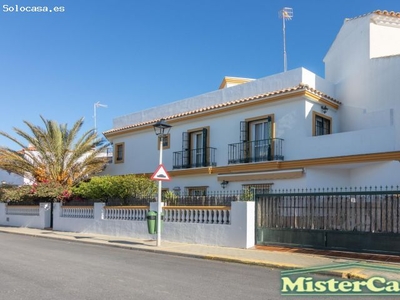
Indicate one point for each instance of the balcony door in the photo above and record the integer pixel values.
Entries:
(194, 145)
(198, 147)
(260, 135)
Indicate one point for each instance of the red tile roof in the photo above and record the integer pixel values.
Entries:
(300, 87)
(387, 13)
(378, 12)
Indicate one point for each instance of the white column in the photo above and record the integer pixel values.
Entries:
(57, 216)
(45, 214)
(243, 224)
(98, 211)
(3, 213)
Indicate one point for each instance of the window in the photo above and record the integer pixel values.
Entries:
(195, 149)
(260, 137)
(263, 188)
(198, 145)
(256, 136)
(119, 153)
(322, 124)
(166, 141)
(197, 191)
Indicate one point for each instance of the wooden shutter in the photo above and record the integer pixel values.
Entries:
(185, 149)
(205, 148)
(244, 128)
(244, 137)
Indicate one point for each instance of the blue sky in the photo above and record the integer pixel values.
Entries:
(132, 55)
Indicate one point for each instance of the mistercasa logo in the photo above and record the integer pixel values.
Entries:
(295, 284)
(309, 285)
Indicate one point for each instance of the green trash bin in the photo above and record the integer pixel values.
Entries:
(151, 222)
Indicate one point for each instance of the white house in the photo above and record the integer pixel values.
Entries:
(288, 130)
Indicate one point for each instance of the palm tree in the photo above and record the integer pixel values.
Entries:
(55, 153)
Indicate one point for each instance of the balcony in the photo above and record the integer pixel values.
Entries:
(194, 158)
(255, 151)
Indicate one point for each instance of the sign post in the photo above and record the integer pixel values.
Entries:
(161, 128)
(161, 175)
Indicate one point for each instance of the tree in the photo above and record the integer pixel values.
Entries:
(54, 154)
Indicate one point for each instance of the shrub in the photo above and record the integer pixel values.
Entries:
(123, 187)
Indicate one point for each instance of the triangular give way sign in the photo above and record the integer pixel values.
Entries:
(160, 174)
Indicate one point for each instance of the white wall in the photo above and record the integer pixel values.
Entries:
(377, 175)
(364, 63)
(370, 97)
(349, 49)
(238, 234)
(373, 140)
(41, 221)
(385, 40)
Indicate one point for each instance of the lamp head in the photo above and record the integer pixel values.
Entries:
(224, 183)
(161, 127)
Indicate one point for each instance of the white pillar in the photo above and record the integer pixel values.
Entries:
(3, 207)
(57, 216)
(98, 211)
(45, 214)
(243, 224)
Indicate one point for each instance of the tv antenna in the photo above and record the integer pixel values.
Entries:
(286, 14)
(95, 106)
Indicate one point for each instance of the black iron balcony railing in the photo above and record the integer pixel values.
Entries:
(255, 151)
(195, 158)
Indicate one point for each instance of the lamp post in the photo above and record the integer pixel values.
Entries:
(161, 128)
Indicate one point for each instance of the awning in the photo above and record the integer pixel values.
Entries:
(267, 175)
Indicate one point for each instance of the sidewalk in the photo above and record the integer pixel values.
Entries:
(274, 257)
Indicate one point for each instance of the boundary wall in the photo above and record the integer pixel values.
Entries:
(227, 226)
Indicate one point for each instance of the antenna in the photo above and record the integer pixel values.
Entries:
(95, 106)
(286, 14)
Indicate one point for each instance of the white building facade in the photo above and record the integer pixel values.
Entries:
(291, 130)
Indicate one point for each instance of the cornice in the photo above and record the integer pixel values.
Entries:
(287, 165)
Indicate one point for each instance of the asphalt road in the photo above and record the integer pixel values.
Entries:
(37, 268)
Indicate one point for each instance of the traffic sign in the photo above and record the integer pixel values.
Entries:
(160, 174)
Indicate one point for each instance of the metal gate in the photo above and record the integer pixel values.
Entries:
(367, 221)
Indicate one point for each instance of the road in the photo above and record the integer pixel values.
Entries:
(37, 268)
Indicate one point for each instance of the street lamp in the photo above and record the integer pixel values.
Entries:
(161, 128)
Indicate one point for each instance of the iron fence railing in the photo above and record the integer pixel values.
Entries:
(362, 210)
(255, 151)
(210, 198)
(194, 158)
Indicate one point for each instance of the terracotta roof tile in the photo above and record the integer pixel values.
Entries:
(378, 12)
(387, 13)
(299, 87)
